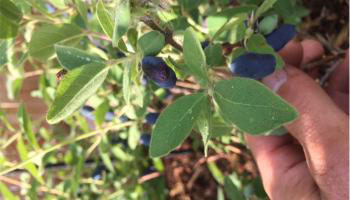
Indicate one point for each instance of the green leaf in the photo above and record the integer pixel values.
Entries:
(127, 81)
(151, 43)
(257, 43)
(41, 45)
(10, 17)
(220, 194)
(23, 154)
(133, 136)
(232, 190)
(5, 121)
(251, 106)
(204, 123)
(268, 24)
(132, 37)
(189, 4)
(6, 193)
(217, 20)
(237, 33)
(39, 6)
(213, 54)
(220, 128)
(216, 172)
(194, 56)
(100, 113)
(175, 124)
(121, 20)
(231, 25)
(266, 5)
(104, 18)
(71, 58)
(27, 127)
(3, 52)
(82, 9)
(75, 88)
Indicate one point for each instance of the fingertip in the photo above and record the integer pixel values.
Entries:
(312, 50)
(318, 113)
(292, 53)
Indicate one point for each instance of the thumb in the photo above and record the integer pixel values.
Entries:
(321, 127)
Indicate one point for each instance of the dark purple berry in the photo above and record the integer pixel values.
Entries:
(159, 72)
(151, 118)
(123, 118)
(86, 111)
(97, 174)
(281, 36)
(120, 54)
(253, 65)
(149, 170)
(145, 139)
(109, 116)
(205, 44)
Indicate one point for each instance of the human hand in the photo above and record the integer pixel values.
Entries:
(312, 161)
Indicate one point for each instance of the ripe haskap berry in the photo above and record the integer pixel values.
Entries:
(253, 65)
(151, 118)
(86, 111)
(145, 139)
(159, 72)
(97, 174)
(123, 118)
(205, 44)
(281, 36)
(109, 116)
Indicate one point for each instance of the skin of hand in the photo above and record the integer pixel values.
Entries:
(312, 161)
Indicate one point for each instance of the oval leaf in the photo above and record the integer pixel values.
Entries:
(41, 45)
(75, 88)
(10, 16)
(151, 43)
(232, 191)
(251, 106)
(104, 19)
(121, 20)
(175, 123)
(71, 58)
(194, 56)
(3, 52)
(27, 127)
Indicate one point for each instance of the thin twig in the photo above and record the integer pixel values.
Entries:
(62, 144)
(39, 72)
(148, 177)
(324, 60)
(28, 186)
(167, 33)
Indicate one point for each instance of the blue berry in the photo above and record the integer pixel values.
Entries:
(151, 118)
(120, 54)
(86, 111)
(109, 116)
(145, 139)
(159, 72)
(205, 44)
(253, 65)
(281, 36)
(123, 118)
(97, 174)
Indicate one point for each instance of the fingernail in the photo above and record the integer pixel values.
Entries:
(275, 80)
